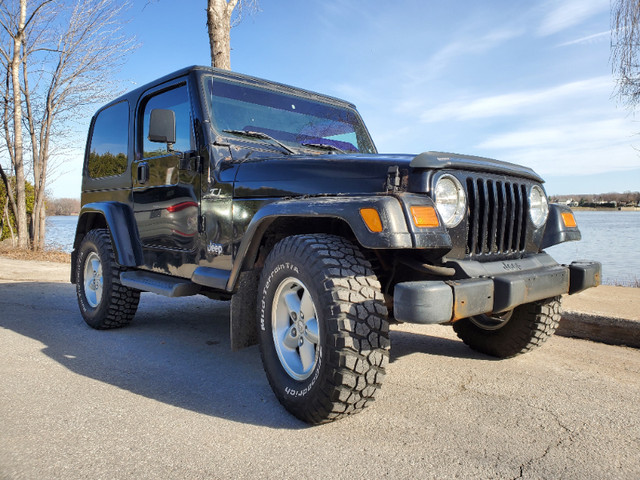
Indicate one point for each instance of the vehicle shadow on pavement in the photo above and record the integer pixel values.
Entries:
(406, 343)
(175, 351)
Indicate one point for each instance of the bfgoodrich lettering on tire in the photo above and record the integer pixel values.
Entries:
(322, 323)
(104, 302)
(519, 331)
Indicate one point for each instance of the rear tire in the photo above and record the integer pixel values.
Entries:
(104, 302)
(323, 329)
(519, 331)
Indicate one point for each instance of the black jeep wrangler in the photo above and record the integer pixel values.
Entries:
(214, 183)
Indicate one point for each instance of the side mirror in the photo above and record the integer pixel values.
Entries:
(162, 126)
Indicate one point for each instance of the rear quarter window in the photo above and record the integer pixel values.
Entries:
(109, 142)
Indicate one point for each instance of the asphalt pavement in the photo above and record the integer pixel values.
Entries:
(166, 398)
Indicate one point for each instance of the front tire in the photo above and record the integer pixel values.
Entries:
(104, 302)
(322, 323)
(513, 333)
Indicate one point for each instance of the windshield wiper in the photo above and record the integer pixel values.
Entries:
(261, 136)
(324, 146)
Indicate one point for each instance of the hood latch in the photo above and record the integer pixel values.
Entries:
(393, 179)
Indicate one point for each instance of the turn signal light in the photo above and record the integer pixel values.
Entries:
(372, 219)
(425, 217)
(568, 219)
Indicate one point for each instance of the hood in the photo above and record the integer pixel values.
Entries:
(443, 160)
(333, 174)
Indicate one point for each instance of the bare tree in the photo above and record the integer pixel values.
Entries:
(221, 16)
(63, 206)
(15, 23)
(625, 44)
(68, 50)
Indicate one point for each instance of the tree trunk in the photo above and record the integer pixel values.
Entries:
(42, 232)
(39, 157)
(219, 27)
(21, 198)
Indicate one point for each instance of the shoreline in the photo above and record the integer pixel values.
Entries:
(596, 209)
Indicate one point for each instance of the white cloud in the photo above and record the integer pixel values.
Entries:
(514, 103)
(571, 128)
(590, 134)
(569, 159)
(568, 13)
(570, 146)
(590, 39)
(469, 46)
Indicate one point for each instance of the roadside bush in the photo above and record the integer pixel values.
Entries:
(6, 214)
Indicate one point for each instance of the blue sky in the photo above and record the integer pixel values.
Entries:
(526, 82)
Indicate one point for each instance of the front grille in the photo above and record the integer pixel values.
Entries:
(497, 217)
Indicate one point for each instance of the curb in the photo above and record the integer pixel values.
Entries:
(613, 331)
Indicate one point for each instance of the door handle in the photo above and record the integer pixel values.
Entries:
(143, 173)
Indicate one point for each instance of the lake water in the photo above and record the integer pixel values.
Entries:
(612, 238)
(60, 232)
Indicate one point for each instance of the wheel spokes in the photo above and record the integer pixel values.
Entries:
(307, 310)
(99, 285)
(311, 332)
(295, 328)
(307, 355)
(292, 301)
(96, 266)
(93, 279)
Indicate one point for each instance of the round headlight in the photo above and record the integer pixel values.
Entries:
(450, 199)
(538, 206)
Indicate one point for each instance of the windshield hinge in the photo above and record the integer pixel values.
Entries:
(393, 179)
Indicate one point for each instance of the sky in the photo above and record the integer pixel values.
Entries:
(524, 82)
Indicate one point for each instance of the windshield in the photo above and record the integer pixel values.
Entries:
(293, 120)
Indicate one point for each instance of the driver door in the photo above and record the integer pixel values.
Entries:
(166, 183)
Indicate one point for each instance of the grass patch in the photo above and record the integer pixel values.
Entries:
(47, 255)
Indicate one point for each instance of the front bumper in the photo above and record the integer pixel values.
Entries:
(492, 287)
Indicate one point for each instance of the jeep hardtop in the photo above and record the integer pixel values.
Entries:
(215, 183)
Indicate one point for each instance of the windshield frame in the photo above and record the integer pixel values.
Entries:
(364, 141)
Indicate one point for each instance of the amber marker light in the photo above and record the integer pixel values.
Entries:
(372, 219)
(569, 220)
(424, 217)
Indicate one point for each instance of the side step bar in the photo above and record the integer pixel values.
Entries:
(158, 283)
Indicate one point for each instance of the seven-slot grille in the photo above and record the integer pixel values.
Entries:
(497, 216)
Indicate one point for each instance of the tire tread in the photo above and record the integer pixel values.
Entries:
(530, 326)
(358, 337)
(122, 301)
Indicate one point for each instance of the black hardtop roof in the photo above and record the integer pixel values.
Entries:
(133, 95)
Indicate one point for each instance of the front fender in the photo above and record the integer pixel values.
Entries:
(392, 211)
(118, 218)
(556, 231)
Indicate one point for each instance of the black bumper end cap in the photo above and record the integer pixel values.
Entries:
(584, 275)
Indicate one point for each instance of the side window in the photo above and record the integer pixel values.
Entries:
(176, 99)
(109, 140)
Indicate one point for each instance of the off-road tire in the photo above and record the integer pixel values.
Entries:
(115, 305)
(352, 348)
(529, 326)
